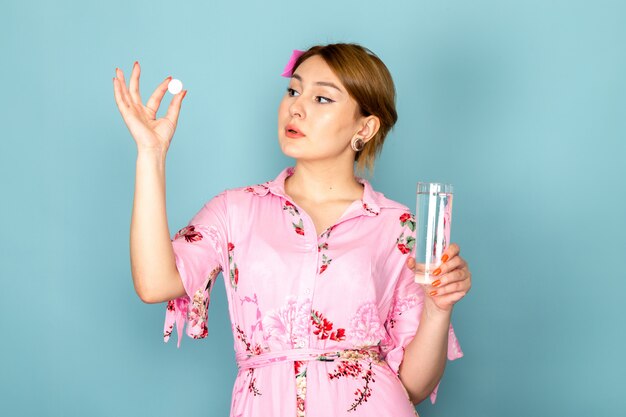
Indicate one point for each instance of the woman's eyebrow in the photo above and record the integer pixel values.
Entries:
(321, 83)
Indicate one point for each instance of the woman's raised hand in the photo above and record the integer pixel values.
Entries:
(148, 131)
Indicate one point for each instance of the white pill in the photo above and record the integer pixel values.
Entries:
(175, 86)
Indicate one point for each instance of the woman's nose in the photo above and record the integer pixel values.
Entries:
(296, 108)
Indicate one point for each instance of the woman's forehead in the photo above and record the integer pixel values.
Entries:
(316, 71)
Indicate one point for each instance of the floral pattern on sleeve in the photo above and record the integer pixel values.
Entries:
(195, 312)
(234, 271)
(405, 244)
(189, 233)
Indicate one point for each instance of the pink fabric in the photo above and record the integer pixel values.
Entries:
(347, 291)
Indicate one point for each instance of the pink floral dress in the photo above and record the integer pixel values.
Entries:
(319, 322)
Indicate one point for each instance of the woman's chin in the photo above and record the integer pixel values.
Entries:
(292, 150)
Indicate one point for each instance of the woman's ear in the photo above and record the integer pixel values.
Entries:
(370, 126)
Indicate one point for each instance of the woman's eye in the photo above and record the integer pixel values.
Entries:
(323, 100)
(291, 92)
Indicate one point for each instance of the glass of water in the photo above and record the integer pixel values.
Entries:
(433, 218)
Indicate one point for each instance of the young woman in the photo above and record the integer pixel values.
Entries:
(327, 319)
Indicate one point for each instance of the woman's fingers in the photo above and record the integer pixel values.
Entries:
(451, 251)
(130, 96)
(417, 268)
(119, 99)
(451, 264)
(154, 102)
(122, 85)
(455, 282)
(174, 109)
(410, 263)
(134, 83)
(453, 279)
(448, 300)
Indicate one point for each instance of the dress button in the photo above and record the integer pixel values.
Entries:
(307, 291)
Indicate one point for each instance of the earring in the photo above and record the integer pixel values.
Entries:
(357, 144)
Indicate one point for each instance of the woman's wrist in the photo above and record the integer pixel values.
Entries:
(433, 313)
(151, 153)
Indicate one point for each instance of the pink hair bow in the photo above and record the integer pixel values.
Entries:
(288, 71)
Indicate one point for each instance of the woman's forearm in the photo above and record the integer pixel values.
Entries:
(425, 356)
(153, 266)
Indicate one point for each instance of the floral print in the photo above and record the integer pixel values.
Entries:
(323, 328)
(399, 306)
(194, 311)
(325, 262)
(408, 220)
(299, 228)
(405, 244)
(369, 210)
(326, 234)
(189, 234)
(365, 326)
(252, 350)
(258, 190)
(234, 271)
(332, 315)
(288, 324)
(355, 370)
(322, 248)
(300, 372)
(290, 208)
(198, 313)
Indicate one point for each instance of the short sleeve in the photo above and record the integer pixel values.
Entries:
(406, 309)
(199, 251)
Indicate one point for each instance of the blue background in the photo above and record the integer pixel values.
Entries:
(520, 104)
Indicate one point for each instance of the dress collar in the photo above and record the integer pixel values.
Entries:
(372, 201)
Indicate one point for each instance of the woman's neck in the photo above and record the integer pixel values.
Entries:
(320, 183)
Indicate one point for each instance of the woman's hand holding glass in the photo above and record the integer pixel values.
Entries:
(453, 279)
(147, 131)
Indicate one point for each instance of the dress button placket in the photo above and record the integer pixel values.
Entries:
(311, 257)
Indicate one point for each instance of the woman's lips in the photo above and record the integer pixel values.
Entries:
(292, 132)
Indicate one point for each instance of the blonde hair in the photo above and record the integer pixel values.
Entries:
(369, 82)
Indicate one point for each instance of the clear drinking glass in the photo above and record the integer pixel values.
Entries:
(433, 217)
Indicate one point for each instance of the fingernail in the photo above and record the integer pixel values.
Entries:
(184, 93)
(444, 258)
(437, 271)
(135, 64)
(433, 293)
(436, 283)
